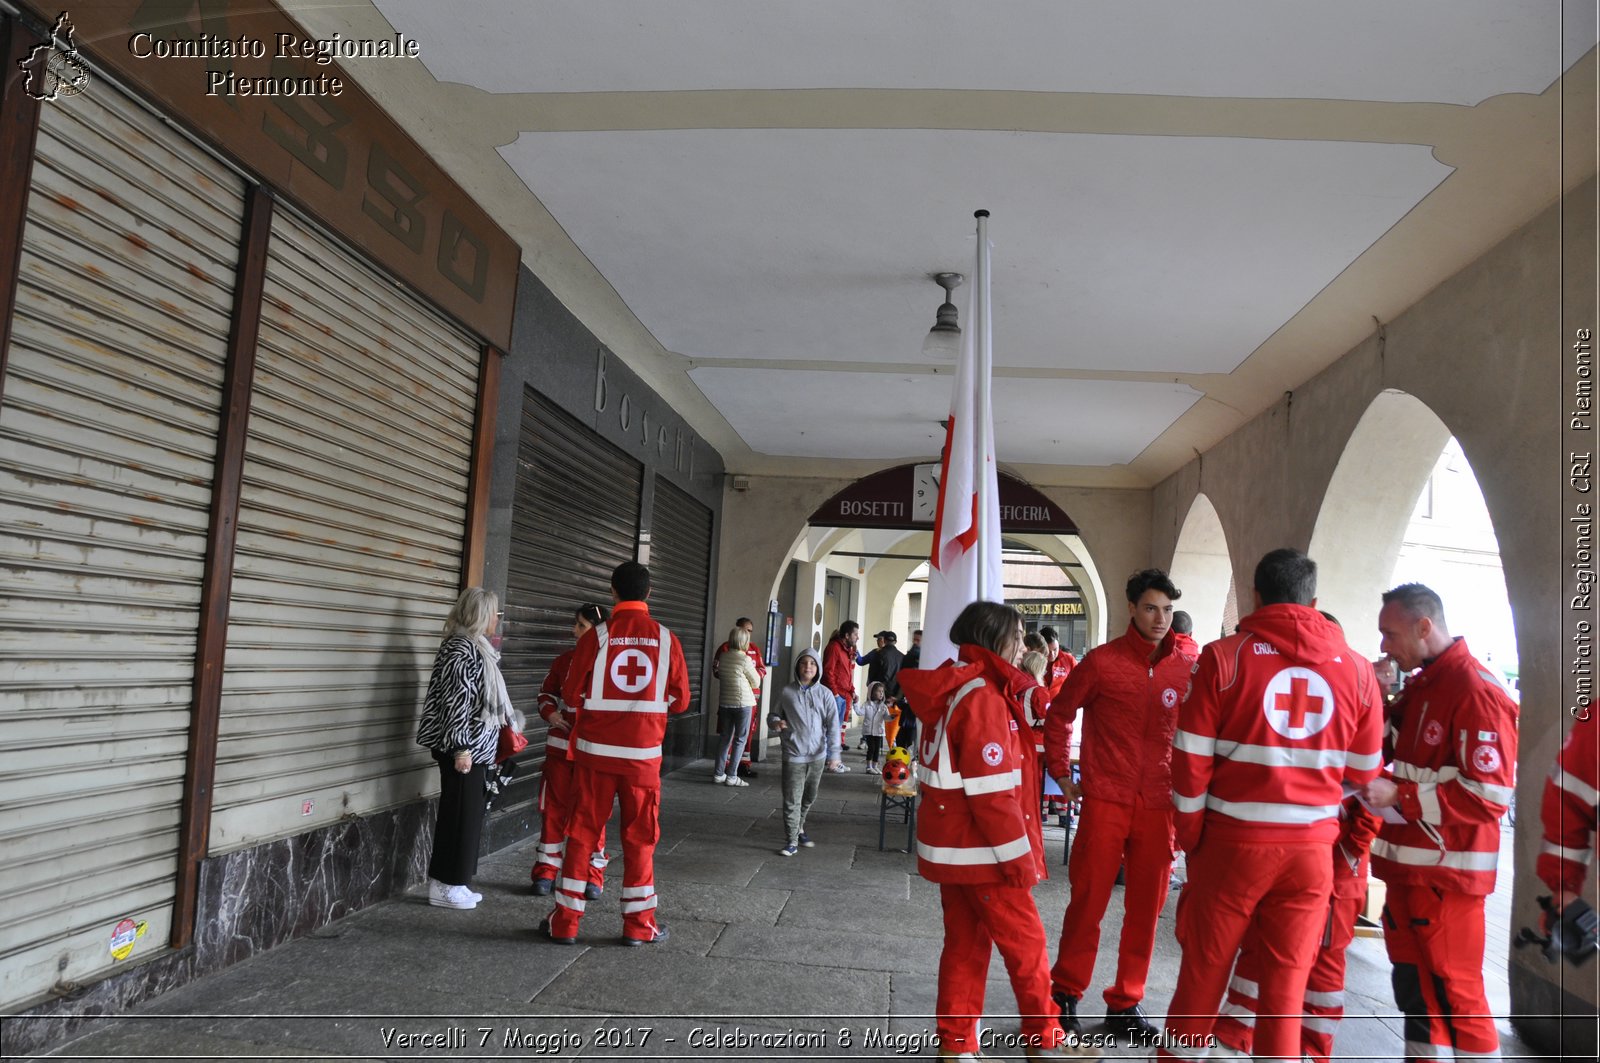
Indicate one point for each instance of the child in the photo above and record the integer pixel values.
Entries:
(806, 718)
(874, 714)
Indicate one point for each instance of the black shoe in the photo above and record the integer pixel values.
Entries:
(591, 892)
(544, 928)
(747, 772)
(542, 887)
(1131, 1023)
(1069, 1012)
(661, 935)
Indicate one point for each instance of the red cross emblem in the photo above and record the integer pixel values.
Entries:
(1298, 703)
(631, 671)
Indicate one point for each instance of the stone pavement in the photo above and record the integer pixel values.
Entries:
(828, 954)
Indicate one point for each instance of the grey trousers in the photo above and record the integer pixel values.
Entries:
(800, 782)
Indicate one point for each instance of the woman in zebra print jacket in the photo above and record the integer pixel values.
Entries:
(460, 725)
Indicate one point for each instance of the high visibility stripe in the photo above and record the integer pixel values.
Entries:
(1496, 795)
(1412, 773)
(597, 679)
(663, 662)
(555, 741)
(939, 780)
(1424, 1050)
(1428, 798)
(1245, 986)
(1239, 1014)
(1271, 812)
(1463, 1054)
(599, 859)
(630, 893)
(1183, 1050)
(1188, 804)
(1325, 1000)
(600, 749)
(993, 784)
(1574, 785)
(576, 885)
(980, 854)
(617, 705)
(1320, 1024)
(566, 900)
(1282, 757)
(639, 906)
(1189, 742)
(936, 774)
(1364, 761)
(1417, 857)
(549, 860)
(1561, 852)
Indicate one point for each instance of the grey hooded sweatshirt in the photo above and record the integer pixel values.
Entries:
(811, 714)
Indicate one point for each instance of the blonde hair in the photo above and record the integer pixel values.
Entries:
(1033, 662)
(472, 613)
(738, 639)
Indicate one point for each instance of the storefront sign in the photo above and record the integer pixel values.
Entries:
(906, 497)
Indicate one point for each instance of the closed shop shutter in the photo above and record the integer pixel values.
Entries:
(112, 395)
(680, 577)
(352, 513)
(575, 519)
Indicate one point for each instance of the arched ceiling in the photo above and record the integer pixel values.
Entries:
(1196, 207)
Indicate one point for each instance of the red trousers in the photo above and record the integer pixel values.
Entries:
(555, 809)
(1112, 835)
(1435, 941)
(1280, 892)
(1324, 1000)
(978, 919)
(641, 829)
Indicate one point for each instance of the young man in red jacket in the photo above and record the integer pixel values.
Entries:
(839, 673)
(627, 675)
(1453, 744)
(1061, 662)
(1129, 691)
(1278, 718)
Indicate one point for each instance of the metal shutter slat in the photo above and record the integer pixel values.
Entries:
(680, 568)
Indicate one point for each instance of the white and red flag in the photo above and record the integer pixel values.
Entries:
(964, 564)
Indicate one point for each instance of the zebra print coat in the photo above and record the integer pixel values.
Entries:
(451, 712)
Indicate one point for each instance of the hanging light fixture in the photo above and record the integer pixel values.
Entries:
(944, 339)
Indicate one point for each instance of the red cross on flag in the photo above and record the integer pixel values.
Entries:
(964, 564)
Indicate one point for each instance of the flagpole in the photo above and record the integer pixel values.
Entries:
(985, 354)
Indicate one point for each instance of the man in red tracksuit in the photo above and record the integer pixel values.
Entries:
(1129, 691)
(558, 787)
(1324, 1002)
(1453, 744)
(753, 652)
(1278, 718)
(839, 671)
(627, 676)
(1061, 662)
(1569, 812)
(1183, 635)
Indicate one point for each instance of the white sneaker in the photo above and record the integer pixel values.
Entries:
(734, 780)
(474, 894)
(718, 779)
(443, 896)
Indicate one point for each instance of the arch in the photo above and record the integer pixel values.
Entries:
(1368, 504)
(1203, 570)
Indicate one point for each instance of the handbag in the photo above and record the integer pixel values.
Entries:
(511, 742)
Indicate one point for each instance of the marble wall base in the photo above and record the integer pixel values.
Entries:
(1552, 1019)
(250, 901)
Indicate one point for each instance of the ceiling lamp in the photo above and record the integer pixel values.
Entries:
(944, 339)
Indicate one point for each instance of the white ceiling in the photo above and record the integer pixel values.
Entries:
(1195, 206)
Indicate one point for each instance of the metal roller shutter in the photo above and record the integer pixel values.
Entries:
(680, 577)
(575, 518)
(109, 423)
(351, 519)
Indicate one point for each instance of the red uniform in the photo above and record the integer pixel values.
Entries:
(1060, 668)
(1454, 735)
(754, 654)
(1130, 708)
(1568, 811)
(1324, 1000)
(626, 677)
(978, 837)
(1277, 720)
(557, 786)
(1035, 700)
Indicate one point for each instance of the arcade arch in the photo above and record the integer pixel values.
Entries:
(1203, 571)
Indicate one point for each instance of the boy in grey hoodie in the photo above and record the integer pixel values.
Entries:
(806, 718)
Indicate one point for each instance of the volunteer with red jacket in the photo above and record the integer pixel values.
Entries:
(627, 676)
(978, 833)
(1569, 813)
(1453, 738)
(1061, 662)
(839, 671)
(558, 786)
(1129, 691)
(1183, 635)
(1278, 718)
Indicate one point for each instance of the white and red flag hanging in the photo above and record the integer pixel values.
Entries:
(964, 564)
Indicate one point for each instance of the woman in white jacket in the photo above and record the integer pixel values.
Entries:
(739, 681)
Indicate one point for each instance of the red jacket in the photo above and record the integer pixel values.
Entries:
(839, 670)
(1185, 646)
(1570, 794)
(1357, 828)
(1455, 753)
(978, 820)
(1277, 719)
(1060, 668)
(625, 677)
(1035, 701)
(751, 651)
(555, 714)
(1129, 709)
